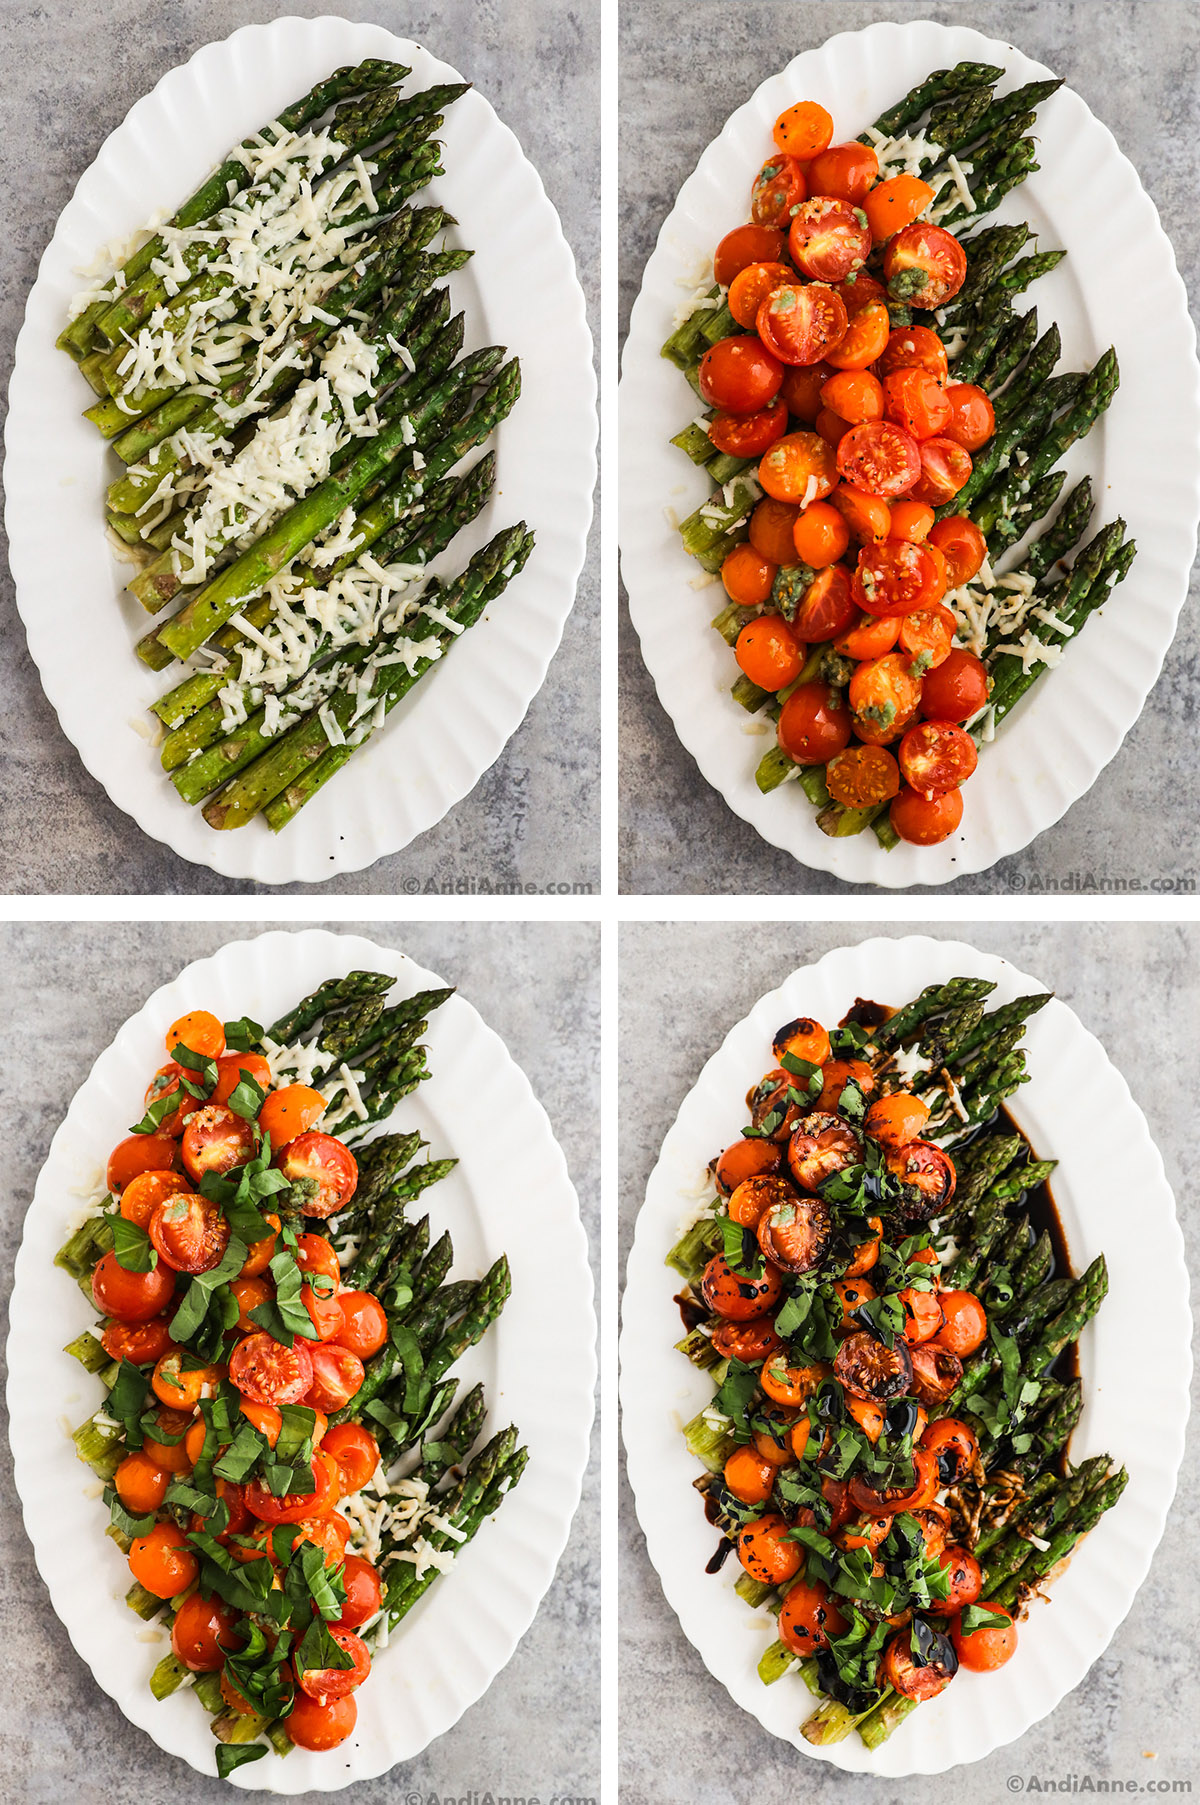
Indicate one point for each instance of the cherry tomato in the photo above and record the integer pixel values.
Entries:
(337, 1377)
(897, 1119)
(924, 265)
(895, 1500)
(162, 1561)
(751, 286)
(937, 756)
(738, 1299)
(778, 188)
(749, 1342)
(316, 1726)
(747, 1158)
(233, 1067)
(965, 1325)
(986, 1649)
(821, 1146)
(828, 606)
(199, 1032)
(868, 1415)
(132, 1297)
(266, 1372)
(743, 246)
(871, 1370)
(862, 777)
(179, 1386)
(799, 468)
(189, 1232)
(916, 401)
(328, 1163)
(954, 1445)
(867, 516)
(945, 469)
(260, 1253)
(771, 526)
(972, 418)
(880, 457)
(264, 1417)
(803, 130)
(803, 1038)
(801, 325)
(140, 1343)
(364, 1324)
(794, 1235)
(832, 427)
(828, 239)
(852, 1293)
(172, 1455)
(962, 545)
(801, 389)
(203, 1633)
(910, 520)
(865, 337)
(814, 724)
(337, 1682)
(141, 1484)
(895, 576)
(143, 1194)
(927, 635)
(165, 1083)
(748, 1476)
(966, 1582)
(956, 689)
(293, 1507)
(928, 1175)
(748, 577)
(914, 348)
(140, 1153)
(892, 204)
(770, 1098)
(765, 1551)
(740, 375)
(854, 394)
(769, 653)
(356, 1453)
(364, 1593)
(809, 1617)
(922, 1314)
(844, 171)
(901, 1672)
(216, 1139)
(290, 1112)
(821, 535)
(749, 435)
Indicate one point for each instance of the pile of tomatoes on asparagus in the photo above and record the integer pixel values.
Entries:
(156, 1177)
(860, 435)
(771, 1181)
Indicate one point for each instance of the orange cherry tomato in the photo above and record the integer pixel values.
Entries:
(778, 187)
(172, 1455)
(321, 1726)
(965, 1325)
(945, 469)
(140, 1153)
(922, 1314)
(927, 635)
(897, 1119)
(866, 1413)
(814, 724)
(972, 418)
(867, 516)
(801, 389)
(216, 1139)
(141, 1484)
(956, 689)
(801, 325)
(883, 691)
(132, 1297)
(809, 1616)
(865, 338)
(140, 1343)
(203, 1633)
(183, 1387)
(289, 1112)
(985, 1649)
(356, 1453)
(737, 1299)
(803, 130)
(827, 239)
(232, 1067)
(880, 457)
(910, 520)
(743, 246)
(748, 576)
(189, 1232)
(167, 1081)
(766, 1552)
(836, 1075)
(901, 1672)
(771, 530)
(747, 1158)
(924, 265)
(162, 1561)
(248, 1295)
(749, 435)
(821, 535)
(751, 287)
(962, 545)
(769, 653)
(754, 1196)
(832, 427)
(199, 1032)
(799, 468)
(895, 576)
(854, 394)
(748, 1476)
(892, 205)
(259, 1254)
(364, 1324)
(862, 777)
(845, 171)
(914, 348)
(143, 1194)
(936, 756)
(916, 401)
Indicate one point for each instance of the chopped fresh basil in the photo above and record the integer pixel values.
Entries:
(232, 1755)
(242, 1036)
(976, 1617)
(246, 1098)
(133, 1247)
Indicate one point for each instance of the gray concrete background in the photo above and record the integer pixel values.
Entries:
(72, 73)
(1137, 987)
(535, 1732)
(685, 66)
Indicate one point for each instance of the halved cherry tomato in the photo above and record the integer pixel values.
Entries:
(162, 1561)
(897, 1119)
(754, 1196)
(739, 1299)
(865, 1412)
(140, 1153)
(748, 1476)
(740, 375)
(854, 394)
(914, 348)
(165, 1083)
(199, 1032)
(901, 1672)
(749, 435)
(852, 1293)
(936, 756)
(945, 469)
(828, 606)
(216, 1139)
(203, 1633)
(956, 689)
(884, 694)
(771, 526)
(364, 1593)
(924, 265)
(743, 246)
(860, 290)
(845, 171)
(189, 1232)
(747, 1158)
(751, 286)
(916, 401)
(821, 535)
(325, 1313)
(972, 418)
(832, 427)
(814, 724)
(927, 635)
(364, 1325)
(910, 520)
(803, 1038)
(871, 1370)
(935, 1373)
(795, 1236)
(337, 1377)
(259, 1254)
(803, 130)
(182, 1387)
(132, 1297)
(769, 653)
(293, 1507)
(891, 205)
(862, 777)
(962, 545)
(880, 457)
(288, 1112)
(140, 1343)
(143, 1194)
(749, 1342)
(266, 1372)
(966, 1582)
(802, 325)
(325, 1683)
(265, 1417)
(327, 1163)
(356, 1453)
(141, 1484)
(808, 1618)
(801, 389)
(986, 1649)
(770, 1100)
(928, 1175)
(895, 576)
(828, 239)
(922, 1314)
(865, 337)
(954, 1445)
(821, 1146)
(312, 1725)
(798, 468)
(867, 516)
(965, 1326)
(871, 637)
(231, 1069)
(779, 187)
(748, 576)
(766, 1552)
